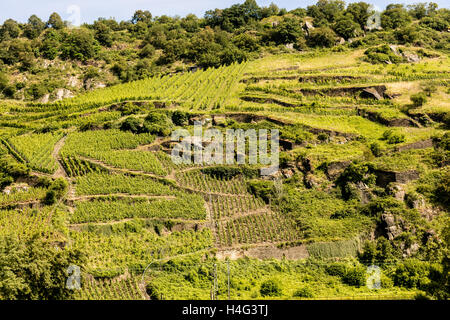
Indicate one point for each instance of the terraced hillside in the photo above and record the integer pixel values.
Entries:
(362, 180)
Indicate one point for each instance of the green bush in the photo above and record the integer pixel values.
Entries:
(382, 54)
(411, 273)
(131, 124)
(304, 292)
(379, 251)
(262, 189)
(375, 148)
(418, 99)
(270, 288)
(321, 37)
(50, 197)
(355, 276)
(393, 137)
(379, 206)
(59, 186)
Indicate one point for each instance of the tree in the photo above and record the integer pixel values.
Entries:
(10, 29)
(55, 21)
(360, 11)
(288, 31)
(50, 44)
(346, 27)
(34, 268)
(395, 16)
(79, 44)
(321, 37)
(142, 16)
(271, 10)
(34, 27)
(103, 33)
(326, 9)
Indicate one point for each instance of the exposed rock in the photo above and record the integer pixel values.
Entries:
(269, 101)
(385, 177)
(289, 46)
(63, 94)
(418, 204)
(365, 195)
(266, 252)
(398, 192)
(377, 117)
(90, 84)
(340, 41)
(334, 169)
(411, 57)
(45, 98)
(371, 93)
(219, 119)
(423, 144)
(411, 250)
(99, 85)
(391, 229)
(286, 144)
(310, 181)
(307, 27)
(287, 173)
(73, 82)
(346, 91)
(393, 49)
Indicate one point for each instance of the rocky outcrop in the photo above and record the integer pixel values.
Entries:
(377, 117)
(385, 177)
(269, 101)
(390, 227)
(423, 144)
(307, 27)
(265, 252)
(368, 92)
(334, 169)
(63, 94)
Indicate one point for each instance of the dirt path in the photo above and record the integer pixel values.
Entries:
(60, 172)
(112, 168)
(105, 223)
(119, 195)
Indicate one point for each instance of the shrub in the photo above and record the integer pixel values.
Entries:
(261, 189)
(336, 269)
(270, 288)
(50, 197)
(393, 137)
(380, 205)
(59, 186)
(382, 54)
(418, 99)
(179, 118)
(321, 37)
(130, 124)
(355, 276)
(429, 89)
(375, 148)
(411, 273)
(304, 292)
(153, 292)
(379, 251)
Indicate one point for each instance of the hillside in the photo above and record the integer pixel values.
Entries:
(90, 190)
(343, 180)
